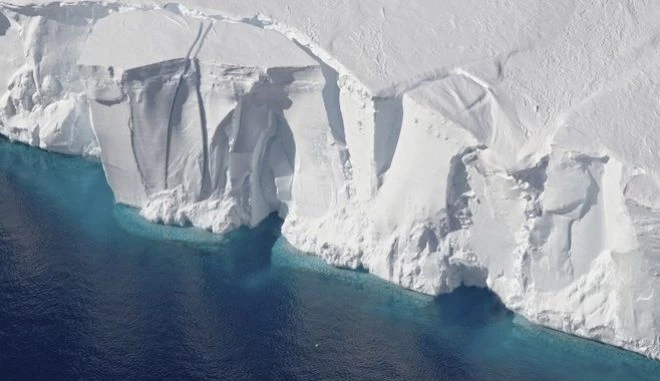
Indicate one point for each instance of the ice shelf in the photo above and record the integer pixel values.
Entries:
(504, 144)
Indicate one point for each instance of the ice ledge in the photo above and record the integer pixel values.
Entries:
(495, 172)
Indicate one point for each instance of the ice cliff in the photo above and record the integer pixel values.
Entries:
(505, 144)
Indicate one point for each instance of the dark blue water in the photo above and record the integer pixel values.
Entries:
(89, 291)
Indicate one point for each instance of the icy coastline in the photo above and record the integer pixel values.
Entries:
(513, 148)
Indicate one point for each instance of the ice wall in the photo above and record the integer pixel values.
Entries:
(211, 120)
(437, 148)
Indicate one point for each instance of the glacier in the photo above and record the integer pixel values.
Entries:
(503, 144)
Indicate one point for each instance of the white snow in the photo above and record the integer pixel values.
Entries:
(505, 144)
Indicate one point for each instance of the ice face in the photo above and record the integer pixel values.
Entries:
(433, 144)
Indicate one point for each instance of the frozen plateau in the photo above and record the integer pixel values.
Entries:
(508, 144)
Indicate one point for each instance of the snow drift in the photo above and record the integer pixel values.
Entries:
(511, 145)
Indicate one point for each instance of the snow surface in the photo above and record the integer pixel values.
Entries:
(505, 144)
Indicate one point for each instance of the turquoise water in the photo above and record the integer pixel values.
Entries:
(88, 290)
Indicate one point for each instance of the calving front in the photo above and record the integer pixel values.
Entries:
(491, 170)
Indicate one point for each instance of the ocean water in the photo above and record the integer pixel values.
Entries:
(90, 291)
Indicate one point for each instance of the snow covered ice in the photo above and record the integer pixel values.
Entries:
(505, 144)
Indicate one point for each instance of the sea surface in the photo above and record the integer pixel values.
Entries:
(89, 291)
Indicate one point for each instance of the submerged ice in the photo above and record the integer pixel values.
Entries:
(517, 153)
